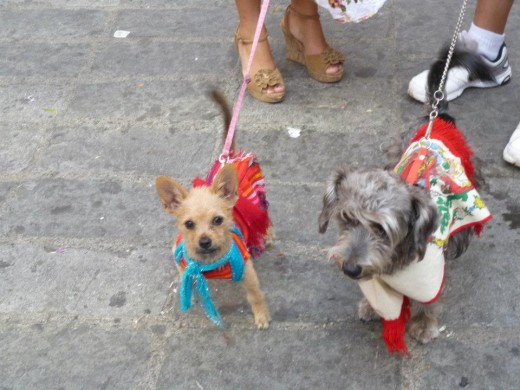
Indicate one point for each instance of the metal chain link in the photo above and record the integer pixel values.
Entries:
(438, 95)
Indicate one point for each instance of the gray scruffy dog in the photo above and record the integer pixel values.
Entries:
(392, 228)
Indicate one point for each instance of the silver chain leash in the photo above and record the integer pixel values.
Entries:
(438, 95)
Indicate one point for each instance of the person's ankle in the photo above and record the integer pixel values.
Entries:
(310, 10)
(302, 27)
(247, 31)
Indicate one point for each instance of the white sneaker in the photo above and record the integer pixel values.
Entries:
(459, 79)
(512, 149)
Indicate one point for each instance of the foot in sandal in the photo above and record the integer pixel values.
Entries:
(306, 44)
(266, 80)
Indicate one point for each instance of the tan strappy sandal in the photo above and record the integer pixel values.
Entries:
(262, 79)
(316, 64)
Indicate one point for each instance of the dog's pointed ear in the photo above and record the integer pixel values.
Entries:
(425, 219)
(330, 198)
(170, 192)
(225, 183)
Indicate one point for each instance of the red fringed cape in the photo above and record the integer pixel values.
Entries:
(250, 211)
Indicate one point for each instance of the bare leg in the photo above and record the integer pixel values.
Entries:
(309, 31)
(255, 297)
(248, 13)
(492, 15)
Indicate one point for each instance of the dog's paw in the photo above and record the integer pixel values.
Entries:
(366, 312)
(262, 319)
(423, 330)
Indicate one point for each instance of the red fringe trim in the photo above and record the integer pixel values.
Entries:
(477, 226)
(393, 330)
(253, 222)
(454, 140)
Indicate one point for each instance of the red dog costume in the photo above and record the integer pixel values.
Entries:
(441, 165)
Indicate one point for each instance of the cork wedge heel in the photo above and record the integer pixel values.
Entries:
(316, 64)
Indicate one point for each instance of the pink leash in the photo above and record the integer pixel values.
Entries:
(247, 79)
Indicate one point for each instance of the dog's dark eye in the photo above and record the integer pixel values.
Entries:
(379, 231)
(189, 224)
(218, 220)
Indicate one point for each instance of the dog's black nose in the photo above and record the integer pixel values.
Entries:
(205, 242)
(352, 270)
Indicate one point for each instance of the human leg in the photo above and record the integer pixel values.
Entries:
(492, 15)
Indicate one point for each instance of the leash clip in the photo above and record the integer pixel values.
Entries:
(223, 159)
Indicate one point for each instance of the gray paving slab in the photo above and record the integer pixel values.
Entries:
(59, 4)
(73, 355)
(166, 4)
(475, 361)
(128, 149)
(51, 24)
(125, 57)
(277, 359)
(176, 24)
(19, 145)
(141, 100)
(366, 110)
(5, 188)
(86, 209)
(319, 149)
(51, 60)
(30, 103)
(72, 281)
(89, 297)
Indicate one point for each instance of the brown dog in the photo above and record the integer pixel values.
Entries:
(221, 222)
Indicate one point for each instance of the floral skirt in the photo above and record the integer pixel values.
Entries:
(356, 11)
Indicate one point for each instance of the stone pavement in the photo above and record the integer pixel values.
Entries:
(88, 293)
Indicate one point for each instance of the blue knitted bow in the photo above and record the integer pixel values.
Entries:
(194, 275)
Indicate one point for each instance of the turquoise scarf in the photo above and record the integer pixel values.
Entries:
(194, 276)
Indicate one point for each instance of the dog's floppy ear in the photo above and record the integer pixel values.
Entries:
(330, 199)
(225, 183)
(170, 192)
(426, 219)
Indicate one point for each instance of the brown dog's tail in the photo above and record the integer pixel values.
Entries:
(222, 102)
